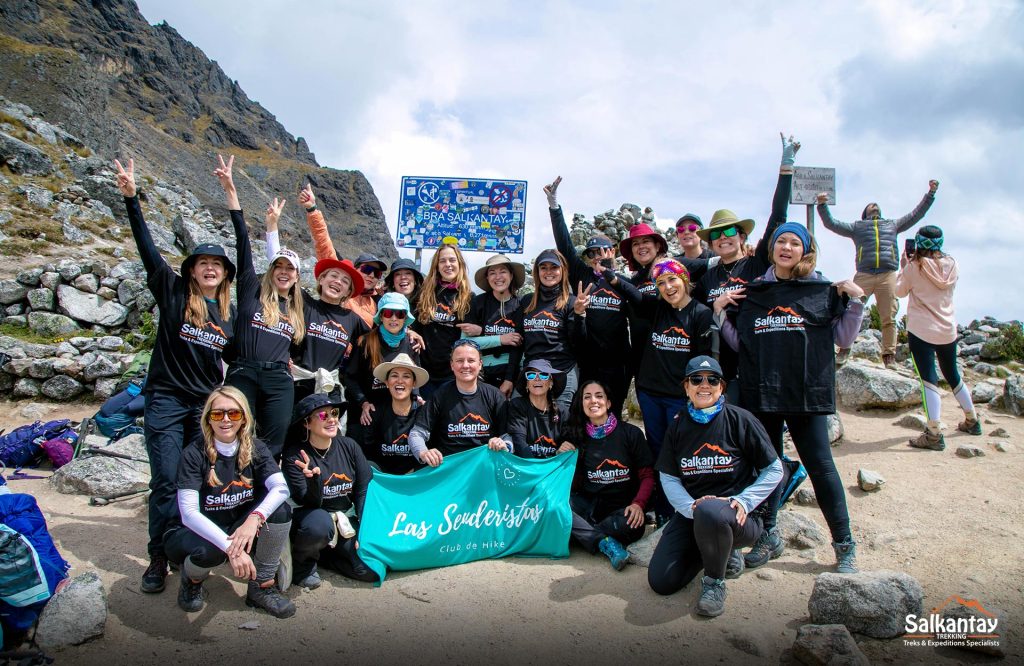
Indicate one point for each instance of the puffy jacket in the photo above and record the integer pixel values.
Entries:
(875, 238)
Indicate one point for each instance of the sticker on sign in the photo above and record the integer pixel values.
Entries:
(808, 181)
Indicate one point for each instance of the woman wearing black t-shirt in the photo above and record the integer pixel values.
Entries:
(196, 318)
(386, 441)
(717, 466)
(231, 500)
(491, 319)
(443, 304)
(535, 419)
(614, 475)
(327, 476)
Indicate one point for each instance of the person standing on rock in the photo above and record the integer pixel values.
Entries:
(784, 326)
(717, 466)
(196, 318)
(877, 257)
(929, 277)
(270, 321)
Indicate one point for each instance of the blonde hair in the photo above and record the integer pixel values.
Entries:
(808, 262)
(428, 292)
(272, 314)
(351, 286)
(563, 298)
(245, 433)
(196, 312)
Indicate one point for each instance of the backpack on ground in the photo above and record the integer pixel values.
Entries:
(22, 447)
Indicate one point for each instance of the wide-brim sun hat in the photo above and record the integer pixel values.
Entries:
(345, 265)
(211, 250)
(393, 301)
(725, 218)
(641, 230)
(558, 378)
(401, 361)
(518, 272)
(311, 403)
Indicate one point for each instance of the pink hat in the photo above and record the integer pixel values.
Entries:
(639, 231)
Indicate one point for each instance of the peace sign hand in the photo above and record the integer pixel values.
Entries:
(223, 173)
(304, 466)
(274, 209)
(306, 197)
(582, 299)
(126, 178)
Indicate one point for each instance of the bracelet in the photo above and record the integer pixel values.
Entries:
(311, 209)
(263, 519)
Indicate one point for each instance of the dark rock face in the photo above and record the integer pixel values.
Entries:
(126, 88)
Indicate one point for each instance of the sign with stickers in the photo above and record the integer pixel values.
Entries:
(478, 504)
(478, 215)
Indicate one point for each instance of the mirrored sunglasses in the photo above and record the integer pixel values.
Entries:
(232, 414)
(389, 313)
(728, 232)
(710, 380)
(533, 375)
(325, 414)
(370, 269)
(687, 227)
(465, 342)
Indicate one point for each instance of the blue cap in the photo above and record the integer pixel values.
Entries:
(598, 243)
(703, 364)
(798, 230)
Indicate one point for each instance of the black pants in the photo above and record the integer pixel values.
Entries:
(603, 367)
(269, 388)
(925, 355)
(172, 423)
(705, 542)
(592, 521)
(312, 530)
(182, 542)
(810, 436)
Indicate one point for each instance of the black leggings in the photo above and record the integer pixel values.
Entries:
(592, 522)
(705, 542)
(312, 531)
(925, 354)
(182, 542)
(810, 436)
(269, 388)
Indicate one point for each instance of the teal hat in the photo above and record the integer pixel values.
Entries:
(394, 301)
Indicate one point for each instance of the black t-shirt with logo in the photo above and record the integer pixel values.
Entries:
(360, 384)
(341, 484)
(439, 334)
(676, 336)
(330, 330)
(186, 359)
(549, 333)
(234, 498)
(535, 434)
(495, 318)
(720, 458)
(607, 469)
(787, 353)
(387, 439)
(458, 421)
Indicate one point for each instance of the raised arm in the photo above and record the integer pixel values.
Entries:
(151, 258)
(832, 224)
(780, 202)
(645, 304)
(317, 225)
(246, 273)
(914, 216)
(563, 241)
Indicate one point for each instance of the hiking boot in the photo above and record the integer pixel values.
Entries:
(970, 427)
(618, 555)
(767, 547)
(712, 597)
(842, 357)
(889, 361)
(155, 577)
(269, 599)
(929, 441)
(311, 580)
(846, 556)
(190, 595)
(735, 566)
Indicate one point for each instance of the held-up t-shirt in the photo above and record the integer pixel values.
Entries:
(608, 469)
(387, 439)
(457, 421)
(234, 498)
(535, 434)
(720, 458)
(330, 329)
(341, 484)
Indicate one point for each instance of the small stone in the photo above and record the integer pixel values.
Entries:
(912, 421)
(1002, 447)
(105, 387)
(51, 324)
(62, 388)
(103, 366)
(640, 552)
(34, 411)
(42, 299)
(982, 393)
(42, 368)
(26, 388)
(985, 369)
(12, 291)
(251, 625)
(74, 614)
(805, 497)
(869, 481)
(106, 293)
(766, 574)
(49, 279)
(68, 269)
(30, 277)
(835, 429)
(999, 432)
(800, 531)
(969, 451)
(110, 343)
(827, 645)
(88, 283)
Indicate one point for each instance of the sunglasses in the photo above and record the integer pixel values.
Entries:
(687, 227)
(728, 232)
(465, 342)
(710, 380)
(325, 414)
(388, 313)
(369, 269)
(531, 375)
(231, 414)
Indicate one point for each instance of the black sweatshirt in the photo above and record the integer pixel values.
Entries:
(344, 476)
(439, 334)
(457, 421)
(535, 434)
(549, 333)
(360, 384)
(330, 329)
(387, 439)
(186, 360)
(254, 340)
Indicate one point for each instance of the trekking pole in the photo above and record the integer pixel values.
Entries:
(112, 454)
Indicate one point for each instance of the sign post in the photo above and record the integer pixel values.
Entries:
(807, 183)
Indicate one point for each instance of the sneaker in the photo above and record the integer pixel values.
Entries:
(735, 566)
(269, 599)
(842, 357)
(889, 361)
(618, 555)
(155, 577)
(767, 547)
(970, 427)
(929, 441)
(712, 597)
(846, 556)
(190, 595)
(312, 580)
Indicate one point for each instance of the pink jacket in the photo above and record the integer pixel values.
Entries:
(930, 282)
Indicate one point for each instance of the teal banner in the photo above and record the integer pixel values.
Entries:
(479, 504)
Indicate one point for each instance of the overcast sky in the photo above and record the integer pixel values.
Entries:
(673, 105)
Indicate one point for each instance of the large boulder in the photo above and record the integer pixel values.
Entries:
(22, 158)
(26, 388)
(62, 388)
(104, 475)
(41, 299)
(874, 603)
(863, 386)
(51, 324)
(1013, 395)
(90, 307)
(640, 552)
(76, 613)
(827, 645)
(12, 291)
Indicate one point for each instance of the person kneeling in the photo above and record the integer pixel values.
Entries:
(719, 454)
(231, 497)
(327, 475)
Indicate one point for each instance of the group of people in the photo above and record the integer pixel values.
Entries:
(266, 466)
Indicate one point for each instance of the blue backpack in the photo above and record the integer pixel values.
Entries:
(23, 446)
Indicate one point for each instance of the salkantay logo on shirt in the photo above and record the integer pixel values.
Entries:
(443, 314)
(673, 338)
(647, 288)
(329, 331)
(284, 327)
(779, 319)
(342, 487)
(226, 500)
(540, 321)
(543, 446)
(731, 284)
(500, 327)
(470, 425)
(708, 459)
(215, 338)
(398, 447)
(609, 471)
(605, 299)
